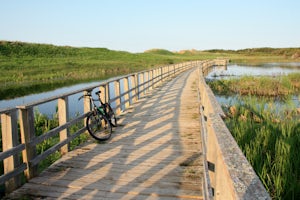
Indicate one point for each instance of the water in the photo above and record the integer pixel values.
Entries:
(268, 69)
(76, 107)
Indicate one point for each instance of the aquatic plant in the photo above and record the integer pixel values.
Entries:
(269, 138)
(279, 87)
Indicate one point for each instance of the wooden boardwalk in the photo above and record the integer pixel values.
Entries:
(154, 154)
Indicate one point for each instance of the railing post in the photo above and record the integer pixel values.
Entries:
(141, 81)
(160, 74)
(27, 135)
(63, 110)
(107, 94)
(10, 139)
(150, 80)
(136, 80)
(134, 92)
(86, 105)
(154, 77)
(180, 67)
(126, 88)
(102, 89)
(117, 94)
(146, 80)
(174, 69)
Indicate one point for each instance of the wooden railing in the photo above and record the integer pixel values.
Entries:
(19, 154)
(228, 174)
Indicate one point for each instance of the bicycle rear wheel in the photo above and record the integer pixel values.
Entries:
(98, 126)
(112, 117)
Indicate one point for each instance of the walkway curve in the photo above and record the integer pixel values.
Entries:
(154, 154)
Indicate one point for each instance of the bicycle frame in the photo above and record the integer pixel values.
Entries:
(104, 109)
(101, 108)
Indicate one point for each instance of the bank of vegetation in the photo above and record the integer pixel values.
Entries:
(267, 131)
(279, 87)
(31, 68)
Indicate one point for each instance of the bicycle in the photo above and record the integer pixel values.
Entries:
(102, 118)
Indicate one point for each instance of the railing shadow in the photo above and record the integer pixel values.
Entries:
(145, 157)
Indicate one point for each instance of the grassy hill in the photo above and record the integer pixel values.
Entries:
(31, 68)
(260, 55)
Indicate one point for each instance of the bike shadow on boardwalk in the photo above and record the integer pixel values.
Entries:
(154, 154)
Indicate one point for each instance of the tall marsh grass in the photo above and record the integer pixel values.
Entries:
(278, 87)
(270, 139)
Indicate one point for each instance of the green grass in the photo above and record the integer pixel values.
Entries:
(32, 68)
(42, 125)
(270, 140)
(257, 56)
(278, 87)
(267, 133)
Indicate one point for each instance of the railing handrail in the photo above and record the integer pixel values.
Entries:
(230, 174)
(104, 82)
(223, 178)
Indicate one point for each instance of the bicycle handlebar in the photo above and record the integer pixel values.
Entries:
(89, 95)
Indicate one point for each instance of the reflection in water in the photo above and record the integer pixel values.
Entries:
(50, 108)
(75, 106)
(269, 69)
(228, 101)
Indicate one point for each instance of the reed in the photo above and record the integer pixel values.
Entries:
(269, 138)
(275, 87)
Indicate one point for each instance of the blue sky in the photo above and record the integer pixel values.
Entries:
(139, 25)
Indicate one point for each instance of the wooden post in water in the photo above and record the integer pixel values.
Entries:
(28, 135)
(10, 139)
(63, 117)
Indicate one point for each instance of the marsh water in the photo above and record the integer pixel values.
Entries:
(233, 70)
(267, 69)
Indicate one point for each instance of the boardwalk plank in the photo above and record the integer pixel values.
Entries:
(155, 153)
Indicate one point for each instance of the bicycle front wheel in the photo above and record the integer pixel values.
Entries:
(98, 126)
